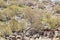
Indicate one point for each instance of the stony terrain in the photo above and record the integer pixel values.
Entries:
(29, 19)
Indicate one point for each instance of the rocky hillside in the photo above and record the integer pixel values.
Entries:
(23, 15)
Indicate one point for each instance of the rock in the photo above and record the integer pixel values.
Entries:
(31, 38)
